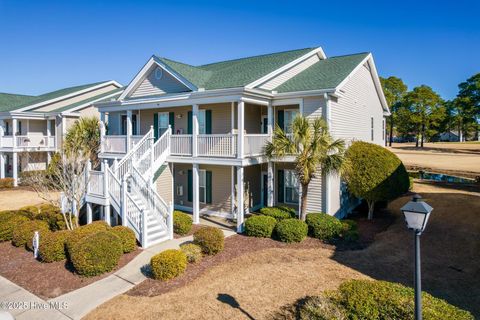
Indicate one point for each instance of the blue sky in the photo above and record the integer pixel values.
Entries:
(47, 45)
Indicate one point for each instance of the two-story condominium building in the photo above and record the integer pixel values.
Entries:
(192, 137)
(33, 127)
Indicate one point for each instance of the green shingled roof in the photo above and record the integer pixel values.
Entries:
(117, 93)
(325, 74)
(9, 101)
(234, 73)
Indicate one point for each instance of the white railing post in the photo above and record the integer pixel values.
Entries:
(144, 228)
(123, 200)
(14, 133)
(241, 127)
(115, 165)
(170, 221)
(105, 179)
(152, 160)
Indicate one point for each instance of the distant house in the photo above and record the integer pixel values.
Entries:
(449, 137)
(192, 137)
(33, 127)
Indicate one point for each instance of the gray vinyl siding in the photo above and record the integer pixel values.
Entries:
(253, 118)
(151, 86)
(164, 183)
(316, 194)
(290, 73)
(36, 126)
(313, 107)
(351, 113)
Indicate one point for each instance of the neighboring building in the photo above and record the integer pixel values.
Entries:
(192, 137)
(33, 127)
(449, 137)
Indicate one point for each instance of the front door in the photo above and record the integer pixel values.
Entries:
(265, 125)
(264, 189)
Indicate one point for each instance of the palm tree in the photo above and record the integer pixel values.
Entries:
(84, 137)
(315, 150)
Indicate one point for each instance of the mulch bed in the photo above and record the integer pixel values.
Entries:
(194, 228)
(46, 280)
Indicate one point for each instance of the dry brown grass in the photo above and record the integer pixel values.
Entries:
(263, 282)
(11, 199)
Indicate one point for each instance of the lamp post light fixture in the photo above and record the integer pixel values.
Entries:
(416, 214)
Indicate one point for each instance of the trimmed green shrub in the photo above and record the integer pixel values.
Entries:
(320, 308)
(168, 264)
(127, 236)
(279, 213)
(8, 221)
(6, 183)
(260, 226)
(365, 299)
(96, 254)
(182, 222)
(23, 233)
(411, 183)
(85, 231)
(192, 251)
(210, 239)
(291, 230)
(52, 246)
(374, 173)
(323, 226)
(349, 230)
(52, 215)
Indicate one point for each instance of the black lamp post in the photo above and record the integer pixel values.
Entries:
(416, 214)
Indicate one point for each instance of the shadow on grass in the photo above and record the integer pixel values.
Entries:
(449, 249)
(232, 302)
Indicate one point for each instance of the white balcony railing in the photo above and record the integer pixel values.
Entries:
(96, 183)
(217, 145)
(28, 141)
(115, 144)
(254, 144)
(7, 141)
(181, 144)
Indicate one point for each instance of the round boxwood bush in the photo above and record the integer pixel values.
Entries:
(277, 213)
(320, 308)
(52, 246)
(168, 264)
(96, 254)
(323, 226)
(365, 299)
(84, 231)
(291, 230)
(374, 173)
(350, 230)
(260, 226)
(182, 222)
(129, 241)
(23, 233)
(192, 251)
(210, 239)
(52, 215)
(8, 221)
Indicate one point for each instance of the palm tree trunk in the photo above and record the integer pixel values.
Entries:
(371, 207)
(303, 207)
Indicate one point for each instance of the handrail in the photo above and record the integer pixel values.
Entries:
(125, 164)
(134, 215)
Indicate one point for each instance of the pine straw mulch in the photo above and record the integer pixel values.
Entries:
(46, 280)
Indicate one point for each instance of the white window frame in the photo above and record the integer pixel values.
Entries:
(203, 173)
(168, 122)
(288, 128)
(202, 116)
(286, 174)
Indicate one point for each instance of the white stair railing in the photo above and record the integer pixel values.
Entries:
(138, 151)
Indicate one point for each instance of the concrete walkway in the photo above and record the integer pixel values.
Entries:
(78, 303)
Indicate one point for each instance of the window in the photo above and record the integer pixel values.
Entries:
(287, 122)
(202, 186)
(7, 129)
(291, 187)
(163, 121)
(372, 128)
(124, 124)
(201, 122)
(19, 129)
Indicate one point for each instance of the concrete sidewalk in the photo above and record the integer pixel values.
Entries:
(80, 302)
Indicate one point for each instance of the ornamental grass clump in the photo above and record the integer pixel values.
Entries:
(323, 226)
(182, 222)
(23, 233)
(260, 226)
(127, 236)
(96, 254)
(168, 264)
(291, 230)
(210, 239)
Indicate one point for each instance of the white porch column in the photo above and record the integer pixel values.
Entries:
(2, 131)
(2, 165)
(270, 118)
(49, 132)
(194, 130)
(241, 127)
(15, 169)
(14, 132)
(102, 132)
(240, 200)
(107, 214)
(195, 196)
(89, 212)
(232, 196)
(129, 129)
(49, 157)
(270, 184)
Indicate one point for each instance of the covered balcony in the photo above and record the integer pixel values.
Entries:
(27, 135)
